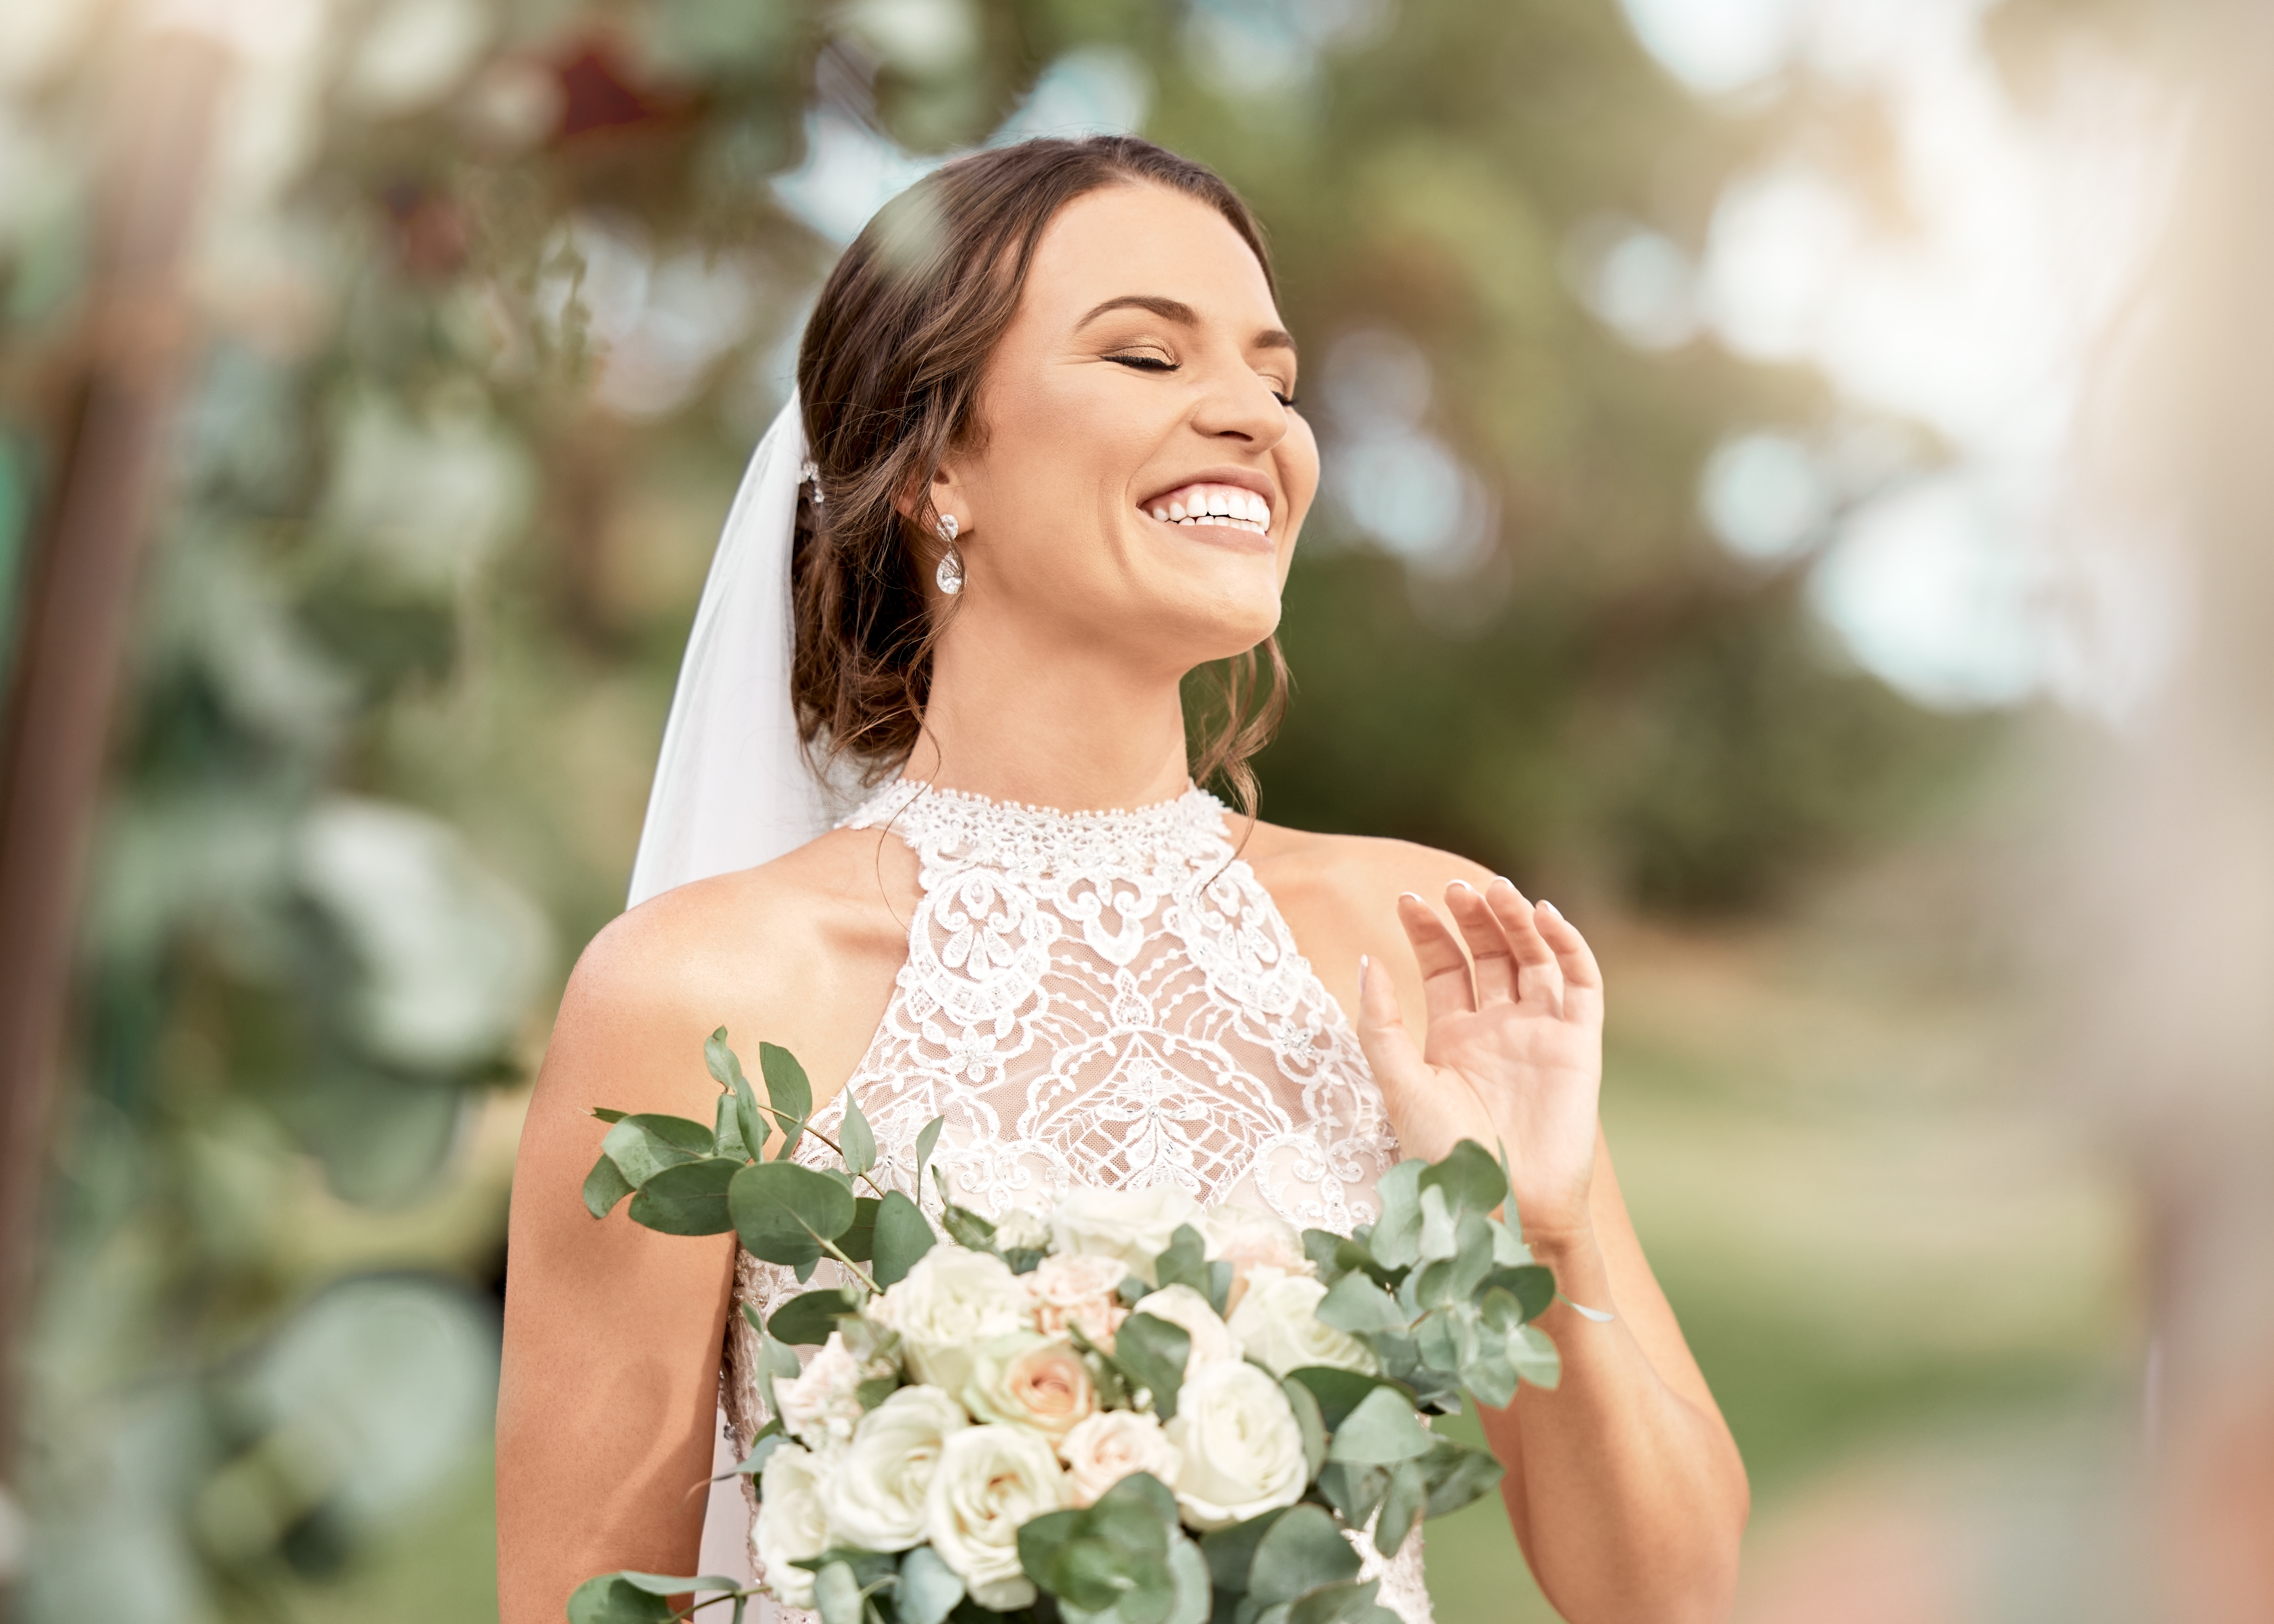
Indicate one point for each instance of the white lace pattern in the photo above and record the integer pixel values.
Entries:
(1105, 998)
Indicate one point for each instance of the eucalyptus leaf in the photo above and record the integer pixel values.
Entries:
(1323, 1247)
(1439, 1234)
(1338, 1392)
(687, 1199)
(1401, 1508)
(727, 1132)
(645, 1144)
(788, 1092)
(837, 1594)
(1471, 1180)
(928, 1591)
(1350, 1602)
(807, 1320)
(611, 1600)
(927, 1141)
(1230, 1552)
(1186, 1263)
(1354, 1490)
(856, 1139)
(1532, 1285)
(1395, 1241)
(965, 1228)
(1310, 1423)
(783, 1211)
(1153, 1351)
(1356, 1305)
(607, 1115)
(1301, 1551)
(603, 1186)
(1457, 1475)
(1382, 1429)
(670, 1584)
(903, 1234)
(751, 1465)
(859, 1240)
(727, 1067)
(1535, 1356)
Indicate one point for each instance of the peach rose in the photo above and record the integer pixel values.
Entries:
(1037, 1382)
(1078, 1292)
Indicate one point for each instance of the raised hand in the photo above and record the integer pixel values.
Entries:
(1514, 1052)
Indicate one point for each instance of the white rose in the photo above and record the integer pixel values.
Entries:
(874, 1493)
(1110, 1446)
(950, 1300)
(1021, 1230)
(1037, 1382)
(1078, 1292)
(1242, 1452)
(1278, 1325)
(1249, 1239)
(1132, 1225)
(990, 1481)
(1180, 1306)
(819, 1407)
(792, 1525)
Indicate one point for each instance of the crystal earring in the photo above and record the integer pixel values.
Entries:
(949, 573)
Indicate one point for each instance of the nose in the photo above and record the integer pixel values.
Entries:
(1239, 405)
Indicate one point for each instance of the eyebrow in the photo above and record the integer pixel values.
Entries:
(1182, 315)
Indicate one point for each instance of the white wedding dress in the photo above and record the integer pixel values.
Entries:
(1108, 998)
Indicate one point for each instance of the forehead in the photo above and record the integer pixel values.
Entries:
(1142, 238)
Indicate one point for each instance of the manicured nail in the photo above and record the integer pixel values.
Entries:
(1411, 896)
(1460, 885)
(1548, 908)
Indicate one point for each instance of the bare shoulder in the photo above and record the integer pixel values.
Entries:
(1352, 870)
(792, 951)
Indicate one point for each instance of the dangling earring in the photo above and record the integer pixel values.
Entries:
(949, 573)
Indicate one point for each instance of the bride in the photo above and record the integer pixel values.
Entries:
(1056, 464)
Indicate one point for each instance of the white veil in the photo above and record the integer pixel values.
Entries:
(734, 788)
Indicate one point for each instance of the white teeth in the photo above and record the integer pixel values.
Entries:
(1161, 513)
(1176, 510)
(1219, 503)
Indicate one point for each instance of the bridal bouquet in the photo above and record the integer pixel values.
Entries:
(1123, 1411)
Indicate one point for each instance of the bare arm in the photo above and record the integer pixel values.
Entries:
(611, 1332)
(1623, 1484)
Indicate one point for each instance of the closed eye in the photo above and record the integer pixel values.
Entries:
(1144, 363)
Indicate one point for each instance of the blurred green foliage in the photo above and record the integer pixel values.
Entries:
(489, 338)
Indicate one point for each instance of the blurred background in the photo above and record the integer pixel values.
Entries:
(1797, 495)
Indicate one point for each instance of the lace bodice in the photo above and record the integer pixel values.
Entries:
(1106, 998)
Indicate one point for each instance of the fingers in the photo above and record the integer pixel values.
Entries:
(1538, 972)
(1389, 1048)
(1488, 944)
(1582, 978)
(1445, 985)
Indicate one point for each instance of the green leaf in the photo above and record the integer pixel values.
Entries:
(1323, 1247)
(783, 1211)
(605, 1114)
(788, 1090)
(1338, 1392)
(903, 1235)
(1535, 1356)
(837, 1594)
(670, 1584)
(1154, 1353)
(928, 1590)
(1041, 1539)
(1298, 1553)
(859, 1243)
(688, 1200)
(1310, 1423)
(1185, 1264)
(1396, 1238)
(1533, 1287)
(727, 1132)
(1457, 1475)
(727, 1067)
(927, 1141)
(775, 1361)
(1230, 1552)
(856, 1139)
(1354, 1490)
(1348, 1603)
(1356, 1305)
(760, 1446)
(603, 1186)
(1401, 1508)
(610, 1599)
(1471, 1180)
(967, 1228)
(807, 1319)
(643, 1146)
(1382, 1430)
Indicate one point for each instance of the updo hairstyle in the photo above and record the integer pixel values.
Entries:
(889, 375)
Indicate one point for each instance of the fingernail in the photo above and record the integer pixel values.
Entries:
(1460, 885)
(1548, 908)
(1411, 896)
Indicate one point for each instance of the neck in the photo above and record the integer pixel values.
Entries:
(1072, 728)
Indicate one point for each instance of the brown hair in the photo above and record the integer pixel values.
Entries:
(889, 375)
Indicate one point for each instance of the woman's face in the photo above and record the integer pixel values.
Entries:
(1141, 472)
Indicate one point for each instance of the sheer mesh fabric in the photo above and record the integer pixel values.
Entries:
(1104, 998)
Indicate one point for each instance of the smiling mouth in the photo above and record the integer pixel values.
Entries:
(1225, 505)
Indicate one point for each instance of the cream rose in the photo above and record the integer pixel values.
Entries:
(1248, 1238)
(791, 1524)
(1021, 1230)
(1132, 1225)
(819, 1406)
(1277, 1324)
(1240, 1452)
(991, 1481)
(1037, 1382)
(1180, 1306)
(1112, 1445)
(952, 1300)
(1078, 1292)
(874, 1493)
